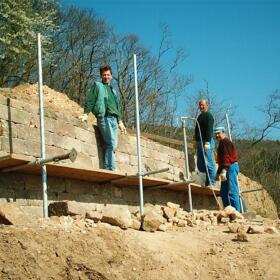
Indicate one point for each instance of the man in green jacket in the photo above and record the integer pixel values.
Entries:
(103, 102)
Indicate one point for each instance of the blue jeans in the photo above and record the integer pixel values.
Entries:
(229, 188)
(108, 127)
(210, 162)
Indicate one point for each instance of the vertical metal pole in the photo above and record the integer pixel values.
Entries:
(140, 174)
(187, 163)
(42, 129)
(240, 201)
(186, 150)
(239, 194)
(190, 196)
(228, 127)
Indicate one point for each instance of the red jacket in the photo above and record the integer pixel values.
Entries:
(227, 154)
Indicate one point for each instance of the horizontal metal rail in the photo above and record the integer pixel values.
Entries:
(154, 172)
(161, 186)
(72, 155)
(135, 175)
(252, 190)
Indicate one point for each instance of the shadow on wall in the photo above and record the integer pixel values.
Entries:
(10, 126)
(100, 145)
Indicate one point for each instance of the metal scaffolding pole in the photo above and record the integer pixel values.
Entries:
(187, 163)
(252, 190)
(42, 129)
(238, 188)
(228, 127)
(140, 173)
(186, 150)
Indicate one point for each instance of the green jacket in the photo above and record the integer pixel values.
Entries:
(96, 101)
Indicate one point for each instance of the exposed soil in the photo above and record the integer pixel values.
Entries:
(54, 100)
(60, 249)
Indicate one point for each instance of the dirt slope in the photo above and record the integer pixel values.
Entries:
(48, 251)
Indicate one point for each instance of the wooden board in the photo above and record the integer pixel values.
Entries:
(195, 188)
(59, 170)
(64, 171)
(183, 187)
(99, 175)
(13, 160)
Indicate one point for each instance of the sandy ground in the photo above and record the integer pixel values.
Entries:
(47, 251)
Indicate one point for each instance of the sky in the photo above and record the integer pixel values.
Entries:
(233, 45)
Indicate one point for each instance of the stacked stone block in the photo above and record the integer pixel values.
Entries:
(20, 134)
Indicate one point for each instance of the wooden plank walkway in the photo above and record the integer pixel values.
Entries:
(98, 175)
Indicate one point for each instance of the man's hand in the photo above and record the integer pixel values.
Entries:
(207, 146)
(224, 175)
(83, 118)
(122, 127)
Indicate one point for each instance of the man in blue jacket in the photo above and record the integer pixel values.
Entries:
(103, 102)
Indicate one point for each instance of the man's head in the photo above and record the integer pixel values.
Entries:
(219, 132)
(203, 105)
(106, 74)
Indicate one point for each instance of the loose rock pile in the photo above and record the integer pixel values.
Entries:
(168, 218)
(71, 215)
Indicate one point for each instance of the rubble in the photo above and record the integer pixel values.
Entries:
(94, 215)
(136, 224)
(152, 221)
(11, 214)
(65, 208)
(271, 230)
(168, 212)
(74, 215)
(255, 229)
(242, 237)
(117, 215)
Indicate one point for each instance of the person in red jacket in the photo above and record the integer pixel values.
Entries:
(228, 169)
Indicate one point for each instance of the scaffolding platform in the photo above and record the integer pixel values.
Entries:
(98, 175)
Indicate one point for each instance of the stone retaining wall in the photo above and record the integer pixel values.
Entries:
(20, 133)
(26, 190)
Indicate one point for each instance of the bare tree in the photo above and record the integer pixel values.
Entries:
(80, 46)
(218, 108)
(159, 84)
(272, 117)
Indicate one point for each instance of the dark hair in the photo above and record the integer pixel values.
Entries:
(105, 68)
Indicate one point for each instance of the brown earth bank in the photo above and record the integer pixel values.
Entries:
(65, 248)
(55, 101)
